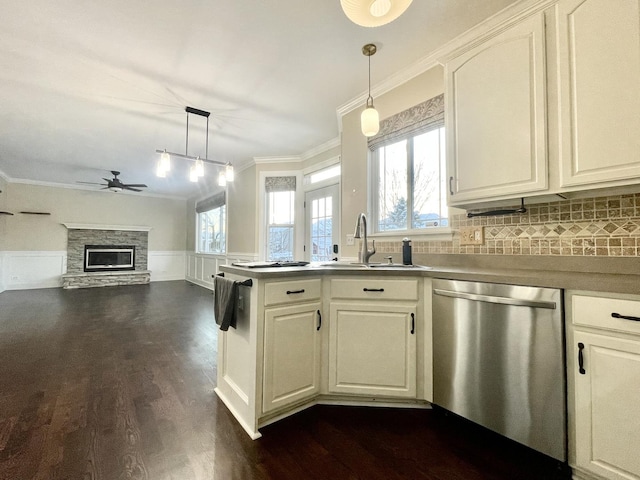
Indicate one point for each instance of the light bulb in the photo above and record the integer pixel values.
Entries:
(222, 180)
(229, 174)
(193, 174)
(370, 121)
(160, 171)
(165, 161)
(199, 167)
(380, 8)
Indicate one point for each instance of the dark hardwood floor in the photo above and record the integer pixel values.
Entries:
(117, 383)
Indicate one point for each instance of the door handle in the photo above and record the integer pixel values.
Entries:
(413, 323)
(319, 320)
(581, 359)
(451, 185)
(625, 317)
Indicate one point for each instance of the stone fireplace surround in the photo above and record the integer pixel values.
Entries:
(80, 235)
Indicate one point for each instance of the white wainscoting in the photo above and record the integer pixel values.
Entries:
(26, 269)
(23, 270)
(169, 265)
(201, 267)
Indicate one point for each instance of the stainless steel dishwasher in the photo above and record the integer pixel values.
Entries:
(499, 360)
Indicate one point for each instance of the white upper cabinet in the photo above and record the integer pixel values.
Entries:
(496, 116)
(599, 61)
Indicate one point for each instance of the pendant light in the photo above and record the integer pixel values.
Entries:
(369, 120)
(373, 13)
(197, 169)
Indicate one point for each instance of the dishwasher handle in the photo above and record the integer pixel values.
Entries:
(475, 297)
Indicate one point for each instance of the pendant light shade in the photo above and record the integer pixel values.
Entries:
(229, 174)
(199, 167)
(369, 119)
(222, 180)
(373, 13)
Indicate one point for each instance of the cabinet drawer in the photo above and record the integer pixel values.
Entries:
(292, 291)
(374, 289)
(602, 312)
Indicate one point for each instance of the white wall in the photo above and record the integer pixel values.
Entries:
(33, 247)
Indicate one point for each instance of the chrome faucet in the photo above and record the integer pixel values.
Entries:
(361, 232)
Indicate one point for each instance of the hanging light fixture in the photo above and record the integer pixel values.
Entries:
(373, 13)
(369, 120)
(222, 179)
(197, 170)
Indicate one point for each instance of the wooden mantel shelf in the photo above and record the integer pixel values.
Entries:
(92, 226)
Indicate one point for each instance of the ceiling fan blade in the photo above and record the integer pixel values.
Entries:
(127, 187)
(90, 183)
(134, 185)
(107, 179)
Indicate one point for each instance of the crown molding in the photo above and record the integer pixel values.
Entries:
(276, 160)
(324, 147)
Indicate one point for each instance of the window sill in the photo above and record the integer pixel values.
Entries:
(212, 254)
(441, 234)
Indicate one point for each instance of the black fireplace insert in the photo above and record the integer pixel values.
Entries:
(99, 258)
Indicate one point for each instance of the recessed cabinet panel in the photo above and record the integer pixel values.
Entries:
(608, 406)
(599, 47)
(291, 355)
(496, 116)
(372, 350)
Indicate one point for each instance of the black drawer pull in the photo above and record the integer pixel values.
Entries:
(625, 317)
(290, 292)
(319, 320)
(581, 359)
(413, 323)
(373, 289)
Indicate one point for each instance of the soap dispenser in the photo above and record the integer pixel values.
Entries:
(406, 252)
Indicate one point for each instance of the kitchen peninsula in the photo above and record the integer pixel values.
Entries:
(346, 334)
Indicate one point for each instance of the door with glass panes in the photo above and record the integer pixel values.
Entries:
(322, 224)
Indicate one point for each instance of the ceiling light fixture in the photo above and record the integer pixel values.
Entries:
(197, 170)
(373, 13)
(369, 120)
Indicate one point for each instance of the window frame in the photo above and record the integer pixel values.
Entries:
(224, 228)
(445, 232)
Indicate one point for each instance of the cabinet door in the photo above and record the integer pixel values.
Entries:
(599, 60)
(292, 342)
(496, 116)
(608, 406)
(372, 349)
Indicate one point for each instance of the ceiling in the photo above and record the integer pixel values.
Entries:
(88, 87)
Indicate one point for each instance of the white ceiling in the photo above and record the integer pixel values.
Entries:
(88, 87)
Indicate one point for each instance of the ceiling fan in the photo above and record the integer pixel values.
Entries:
(116, 185)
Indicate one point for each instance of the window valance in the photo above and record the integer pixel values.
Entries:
(280, 184)
(415, 120)
(215, 201)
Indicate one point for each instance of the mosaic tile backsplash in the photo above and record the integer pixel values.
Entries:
(600, 226)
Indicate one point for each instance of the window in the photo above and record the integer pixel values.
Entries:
(280, 218)
(408, 189)
(212, 225)
(410, 178)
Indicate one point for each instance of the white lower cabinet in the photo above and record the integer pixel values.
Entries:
(604, 371)
(372, 349)
(372, 336)
(292, 344)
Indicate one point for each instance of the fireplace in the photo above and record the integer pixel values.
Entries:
(112, 258)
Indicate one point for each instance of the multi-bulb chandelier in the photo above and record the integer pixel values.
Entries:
(197, 169)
